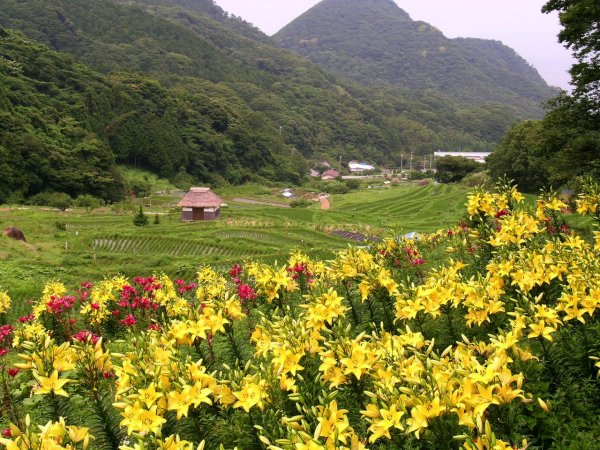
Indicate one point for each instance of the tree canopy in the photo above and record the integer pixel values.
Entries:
(580, 33)
(451, 169)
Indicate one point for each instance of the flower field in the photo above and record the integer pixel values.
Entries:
(495, 346)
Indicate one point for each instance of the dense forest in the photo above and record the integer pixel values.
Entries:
(376, 42)
(194, 94)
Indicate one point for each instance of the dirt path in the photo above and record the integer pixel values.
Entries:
(258, 202)
(325, 203)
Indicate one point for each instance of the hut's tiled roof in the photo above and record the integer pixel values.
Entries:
(200, 197)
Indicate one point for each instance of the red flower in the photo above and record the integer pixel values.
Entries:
(418, 262)
(6, 433)
(235, 271)
(5, 331)
(129, 320)
(246, 292)
(28, 318)
(3, 351)
(502, 213)
(108, 374)
(13, 371)
(155, 327)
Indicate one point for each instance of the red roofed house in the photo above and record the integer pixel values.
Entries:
(200, 204)
(330, 174)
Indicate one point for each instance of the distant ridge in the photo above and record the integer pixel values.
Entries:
(375, 42)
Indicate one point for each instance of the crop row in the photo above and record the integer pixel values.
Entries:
(168, 246)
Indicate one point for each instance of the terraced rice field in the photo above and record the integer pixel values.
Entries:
(74, 245)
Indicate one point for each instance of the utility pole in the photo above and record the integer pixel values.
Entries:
(410, 163)
(431, 162)
(401, 160)
(340, 165)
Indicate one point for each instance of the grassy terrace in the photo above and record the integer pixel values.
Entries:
(73, 246)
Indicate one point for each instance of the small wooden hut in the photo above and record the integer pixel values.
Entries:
(200, 203)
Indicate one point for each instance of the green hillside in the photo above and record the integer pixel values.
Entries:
(374, 42)
(65, 126)
(189, 92)
(75, 245)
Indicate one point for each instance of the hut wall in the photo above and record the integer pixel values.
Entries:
(198, 214)
(212, 213)
(187, 214)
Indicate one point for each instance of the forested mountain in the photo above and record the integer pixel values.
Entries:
(375, 42)
(186, 90)
(64, 126)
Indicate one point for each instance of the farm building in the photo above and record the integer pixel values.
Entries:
(358, 167)
(200, 203)
(330, 174)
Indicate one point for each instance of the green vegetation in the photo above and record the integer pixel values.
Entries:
(184, 90)
(374, 42)
(140, 219)
(74, 245)
(451, 169)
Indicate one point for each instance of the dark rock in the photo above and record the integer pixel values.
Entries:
(15, 233)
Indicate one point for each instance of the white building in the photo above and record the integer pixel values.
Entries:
(475, 156)
(357, 167)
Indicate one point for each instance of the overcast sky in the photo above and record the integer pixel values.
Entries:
(517, 23)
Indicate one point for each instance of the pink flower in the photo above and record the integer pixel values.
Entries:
(58, 305)
(3, 351)
(418, 262)
(84, 335)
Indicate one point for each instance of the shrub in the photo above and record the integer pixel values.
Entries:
(88, 202)
(58, 200)
(140, 219)
(352, 185)
(300, 203)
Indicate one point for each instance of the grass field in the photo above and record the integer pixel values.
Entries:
(75, 246)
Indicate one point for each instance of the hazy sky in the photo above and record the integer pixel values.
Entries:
(517, 23)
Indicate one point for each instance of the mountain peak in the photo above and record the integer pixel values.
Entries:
(375, 42)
